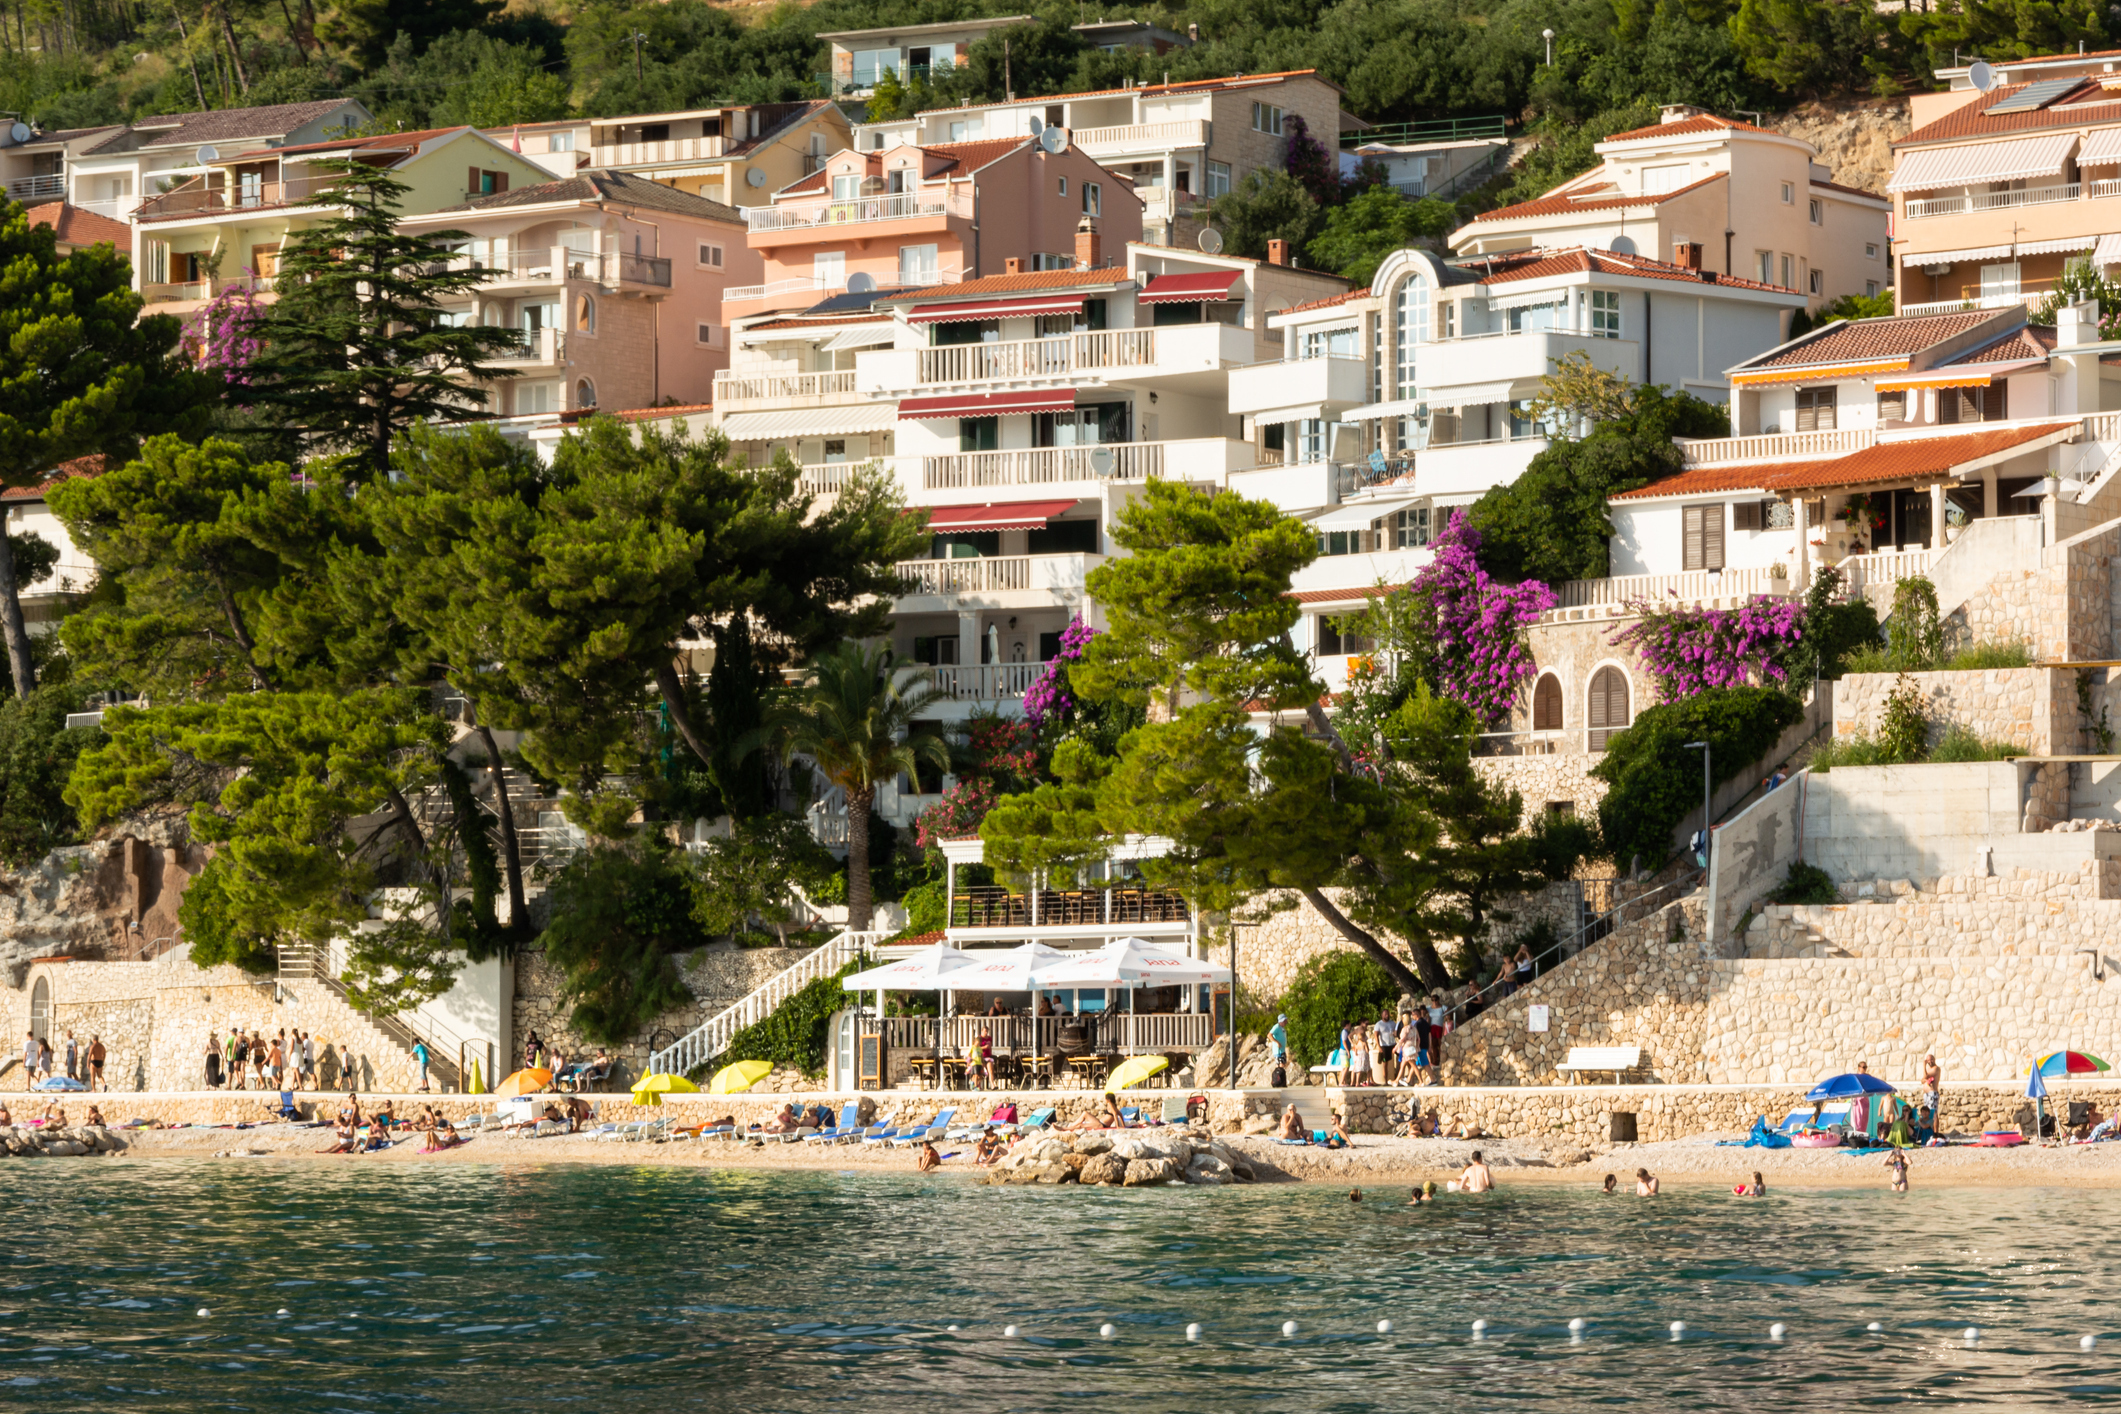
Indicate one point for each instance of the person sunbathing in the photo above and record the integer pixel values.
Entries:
(577, 1111)
(990, 1148)
(7, 1118)
(1292, 1125)
(929, 1158)
(1109, 1118)
(785, 1122)
(347, 1136)
(95, 1118)
(1337, 1137)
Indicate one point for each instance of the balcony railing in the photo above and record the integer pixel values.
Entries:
(1064, 908)
(1992, 300)
(1688, 587)
(991, 574)
(1131, 137)
(1033, 466)
(1990, 200)
(2105, 186)
(167, 291)
(746, 387)
(1039, 358)
(49, 184)
(534, 347)
(902, 206)
(1883, 570)
(1775, 446)
(645, 154)
(203, 196)
(987, 682)
(828, 478)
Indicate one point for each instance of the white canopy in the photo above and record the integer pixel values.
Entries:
(1130, 962)
(1009, 971)
(1357, 515)
(930, 970)
(1932, 168)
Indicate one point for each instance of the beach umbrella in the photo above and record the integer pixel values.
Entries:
(2057, 1064)
(2036, 1091)
(534, 1081)
(1135, 1071)
(1848, 1087)
(929, 970)
(733, 1079)
(647, 1097)
(1013, 970)
(676, 1084)
(1131, 962)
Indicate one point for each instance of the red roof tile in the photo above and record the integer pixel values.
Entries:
(1691, 127)
(1186, 86)
(1010, 284)
(971, 156)
(381, 142)
(1557, 204)
(1341, 596)
(1705, 481)
(66, 471)
(1974, 119)
(1862, 340)
(1914, 459)
(1532, 264)
(1342, 298)
(2026, 341)
(73, 226)
(823, 321)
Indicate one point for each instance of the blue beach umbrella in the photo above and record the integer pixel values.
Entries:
(1847, 1087)
(2036, 1091)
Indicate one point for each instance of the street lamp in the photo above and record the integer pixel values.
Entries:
(1703, 748)
(1548, 36)
(1234, 926)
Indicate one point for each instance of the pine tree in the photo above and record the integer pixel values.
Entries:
(359, 346)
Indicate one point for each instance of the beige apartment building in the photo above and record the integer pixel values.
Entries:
(739, 154)
(1755, 203)
(2000, 188)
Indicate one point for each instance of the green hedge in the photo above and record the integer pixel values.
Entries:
(1655, 780)
(798, 1033)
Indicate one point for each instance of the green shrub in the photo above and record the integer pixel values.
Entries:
(1978, 656)
(1328, 993)
(1832, 630)
(798, 1033)
(1853, 750)
(1912, 628)
(620, 915)
(1806, 883)
(1904, 729)
(1869, 658)
(927, 910)
(1655, 780)
(1960, 744)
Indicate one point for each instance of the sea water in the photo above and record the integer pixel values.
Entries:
(463, 1287)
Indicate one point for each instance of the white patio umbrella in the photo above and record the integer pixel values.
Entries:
(1130, 962)
(1010, 971)
(925, 971)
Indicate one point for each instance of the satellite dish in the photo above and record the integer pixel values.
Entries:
(20, 132)
(754, 178)
(207, 153)
(861, 282)
(1980, 75)
(1054, 139)
(1211, 241)
(1038, 125)
(1101, 461)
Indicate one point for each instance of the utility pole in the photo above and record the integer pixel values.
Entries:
(1703, 748)
(637, 37)
(1008, 88)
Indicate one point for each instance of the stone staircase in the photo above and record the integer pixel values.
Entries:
(1311, 1106)
(700, 1046)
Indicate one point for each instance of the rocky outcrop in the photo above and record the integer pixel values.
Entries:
(1854, 139)
(1141, 1172)
(109, 900)
(1132, 1160)
(25, 1143)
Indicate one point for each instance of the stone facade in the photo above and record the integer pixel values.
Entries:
(111, 899)
(2033, 709)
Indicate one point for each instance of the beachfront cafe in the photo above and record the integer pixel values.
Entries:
(1051, 1027)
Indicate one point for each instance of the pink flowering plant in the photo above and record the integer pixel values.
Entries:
(1001, 755)
(1047, 698)
(1689, 650)
(1481, 657)
(957, 814)
(225, 333)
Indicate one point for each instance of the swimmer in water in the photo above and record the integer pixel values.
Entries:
(1476, 1178)
(1645, 1184)
(1354, 1195)
(1612, 1183)
(1898, 1164)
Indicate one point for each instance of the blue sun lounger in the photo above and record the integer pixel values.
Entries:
(847, 1125)
(935, 1129)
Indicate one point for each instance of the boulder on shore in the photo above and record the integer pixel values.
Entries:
(1104, 1168)
(1141, 1172)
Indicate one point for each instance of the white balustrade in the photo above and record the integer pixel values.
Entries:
(707, 1041)
(1039, 358)
(748, 387)
(1775, 446)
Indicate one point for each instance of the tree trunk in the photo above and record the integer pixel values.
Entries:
(294, 35)
(240, 631)
(183, 35)
(673, 694)
(235, 50)
(861, 911)
(511, 851)
(11, 625)
(435, 878)
(1433, 977)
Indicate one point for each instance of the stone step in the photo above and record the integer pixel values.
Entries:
(1311, 1106)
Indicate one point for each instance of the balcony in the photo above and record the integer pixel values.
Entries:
(1065, 908)
(2031, 292)
(1129, 138)
(1289, 390)
(987, 682)
(204, 196)
(1475, 364)
(990, 575)
(1965, 202)
(546, 265)
(651, 154)
(1726, 588)
(535, 349)
(1774, 446)
(806, 218)
(1474, 468)
(733, 390)
(1039, 358)
(48, 185)
(1192, 459)
(176, 291)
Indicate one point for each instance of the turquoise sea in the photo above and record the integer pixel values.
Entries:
(466, 1288)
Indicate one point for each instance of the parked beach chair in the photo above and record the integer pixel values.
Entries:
(1037, 1119)
(647, 1129)
(287, 1110)
(847, 1124)
(1794, 1121)
(1130, 1115)
(470, 1124)
(937, 1128)
(883, 1124)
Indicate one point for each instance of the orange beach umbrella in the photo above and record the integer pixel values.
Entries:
(534, 1081)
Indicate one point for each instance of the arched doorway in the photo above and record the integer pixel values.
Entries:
(40, 1009)
(1608, 706)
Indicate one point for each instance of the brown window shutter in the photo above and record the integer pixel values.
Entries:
(1712, 537)
(500, 181)
(1805, 417)
(471, 183)
(1546, 704)
(1609, 706)
(1690, 532)
(1745, 516)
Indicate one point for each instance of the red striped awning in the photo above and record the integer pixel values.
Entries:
(995, 308)
(1001, 515)
(986, 404)
(1190, 289)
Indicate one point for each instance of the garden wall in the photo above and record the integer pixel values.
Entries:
(2033, 709)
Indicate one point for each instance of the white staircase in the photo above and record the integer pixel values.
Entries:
(1311, 1107)
(711, 1037)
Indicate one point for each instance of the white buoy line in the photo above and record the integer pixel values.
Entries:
(1778, 1332)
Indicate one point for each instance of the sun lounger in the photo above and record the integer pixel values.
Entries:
(1130, 1115)
(847, 1125)
(938, 1128)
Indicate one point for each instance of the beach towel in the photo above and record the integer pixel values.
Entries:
(1761, 1138)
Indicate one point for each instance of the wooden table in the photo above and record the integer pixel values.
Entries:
(923, 1068)
(1088, 1070)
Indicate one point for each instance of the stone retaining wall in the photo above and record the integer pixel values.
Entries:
(1933, 926)
(718, 977)
(2033, 709)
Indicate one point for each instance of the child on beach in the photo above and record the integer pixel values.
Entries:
(1898, 1164)
(1645, 1184)
(1757, 1188)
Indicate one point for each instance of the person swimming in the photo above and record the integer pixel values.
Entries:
(1612, 1183)
(1645, 1184)
(1354, 1195)
(1898, 1164)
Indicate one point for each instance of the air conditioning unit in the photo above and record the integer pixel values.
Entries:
(1936, 269)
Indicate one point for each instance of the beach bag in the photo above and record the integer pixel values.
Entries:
(1280, 1078)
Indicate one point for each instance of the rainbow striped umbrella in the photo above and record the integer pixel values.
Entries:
(2061, 1063)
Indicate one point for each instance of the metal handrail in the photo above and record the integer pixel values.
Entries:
(711, 1037)
(1456, 1013)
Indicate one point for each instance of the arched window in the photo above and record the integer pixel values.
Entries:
(40, 1008)
(1546, 704)
(1410, 329)
(1608, 705)
(585, 314)
(585, 393)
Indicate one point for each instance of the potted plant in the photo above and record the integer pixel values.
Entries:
(1778, 576)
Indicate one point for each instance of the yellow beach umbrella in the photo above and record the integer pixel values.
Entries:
(534, 1081)
(1135, 1071)
(664, 1085)
(736, 1079)
(648, 1097)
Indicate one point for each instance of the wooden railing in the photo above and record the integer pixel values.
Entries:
(1105, 1033)
(1039, 358)
(1064, 908)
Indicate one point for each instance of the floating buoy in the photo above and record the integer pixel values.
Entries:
(283, 1311)
(1777, 1331)
(2090, 1342)
(1009, 1332)
(1575, 1325)
(1973, 1333)
(1678, 1329)
(949, 1328)
(1108, 1330)
(204, 1313)
(1288, 1328)
(1480, 1329)
(1384, 1327)
(1875, 1326)
(1193, 1331)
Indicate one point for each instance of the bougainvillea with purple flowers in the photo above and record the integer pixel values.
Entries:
(1687, 650)
(1048, 695)
(1482, 659)
(226, 333)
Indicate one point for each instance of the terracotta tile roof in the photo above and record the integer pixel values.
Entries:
(814, 182)
(923, 939)
(971, 156)
(66, 471)
(1705, 481)
(1341, 596)
(1870, 340)
(73, 226)
(1974, 119)
(381, 142)
(1187, 86)
(1533, 264)
(602, 184)
(1851, 191)
(2026, 341)
(1329, 300)
(825, 322)
(232, 124)
(1690, 127)
(637, 414)
(1558, 203)
(1935, 458)
(1011, 284)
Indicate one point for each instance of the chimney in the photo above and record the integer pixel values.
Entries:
(1687, 254)
(1277, 252)
(1014, 265)
(1089, 250)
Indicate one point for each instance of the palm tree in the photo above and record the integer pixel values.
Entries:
(853, 718)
